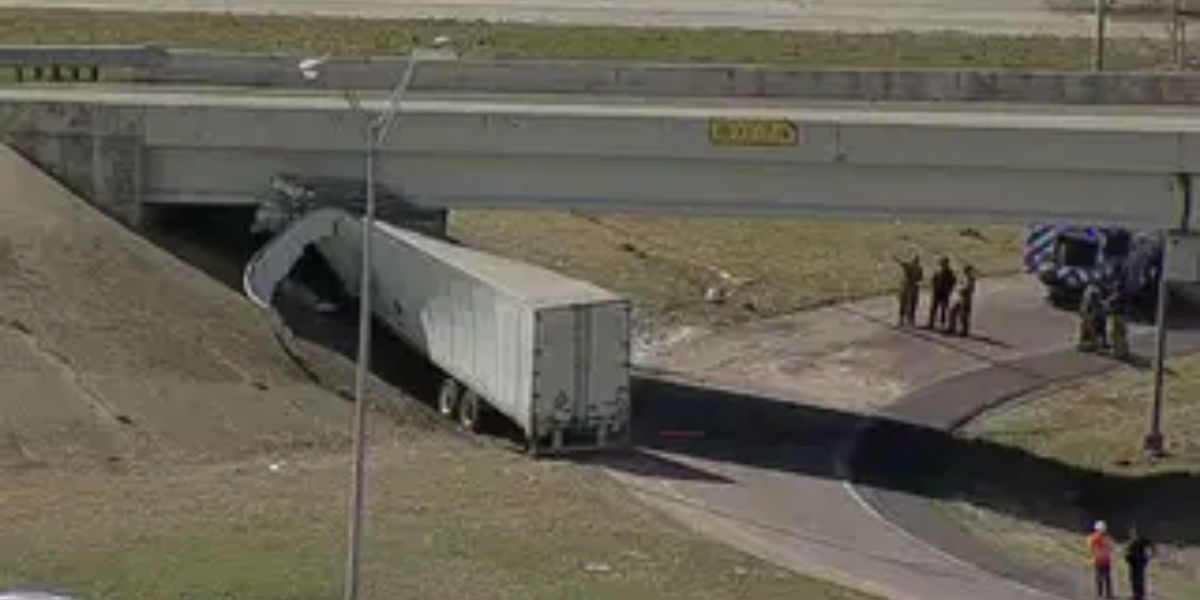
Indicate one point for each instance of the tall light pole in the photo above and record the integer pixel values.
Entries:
(375, 134)
(1179, 34)
(1153, 443)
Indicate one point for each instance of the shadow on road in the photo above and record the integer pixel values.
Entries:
(766, 433)
(640, 462)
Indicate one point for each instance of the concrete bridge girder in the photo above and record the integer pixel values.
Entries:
(198, 147)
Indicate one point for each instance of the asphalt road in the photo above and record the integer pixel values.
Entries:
(920, 424)
(978, 16)
(764, 464)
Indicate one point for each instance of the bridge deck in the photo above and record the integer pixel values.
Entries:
(1126, 118)
(961, 161)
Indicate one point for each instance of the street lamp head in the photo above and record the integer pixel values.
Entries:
(439, 48)
(310, 68)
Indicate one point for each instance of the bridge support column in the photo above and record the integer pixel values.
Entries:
(116, 166)
(96, 153)
(116, 170)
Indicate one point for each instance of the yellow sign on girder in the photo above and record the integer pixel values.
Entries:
(753, 132)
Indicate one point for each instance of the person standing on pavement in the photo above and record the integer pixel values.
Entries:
(1116, 304)
(1137, 556)
(960, 311)
(1091, 319)
(910, 289)
(1100, 549)
(941, 287)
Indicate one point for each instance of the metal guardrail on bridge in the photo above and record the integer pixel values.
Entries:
(159, 66)
(78, 63)
(692, 80)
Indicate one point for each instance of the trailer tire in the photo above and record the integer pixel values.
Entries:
(449, 397)
(470, 411)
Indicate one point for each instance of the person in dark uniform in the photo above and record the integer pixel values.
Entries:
(1092, 319)
(941, 288)
(1116, 305)
(1137, 556)
(960, 311)
(910, 289)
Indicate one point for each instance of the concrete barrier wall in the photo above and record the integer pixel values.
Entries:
(132, 56)
(155, 65)
(643, 79)
(1159, 8)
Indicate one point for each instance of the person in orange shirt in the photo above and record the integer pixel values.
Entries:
(1100, 547)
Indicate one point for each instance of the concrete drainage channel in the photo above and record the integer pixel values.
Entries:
(874, 464)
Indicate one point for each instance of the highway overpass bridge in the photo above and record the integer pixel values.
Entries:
(664, 139)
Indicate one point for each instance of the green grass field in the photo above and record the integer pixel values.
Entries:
(381, 36)
(1095, 428)
(449, 519)
(786, 264)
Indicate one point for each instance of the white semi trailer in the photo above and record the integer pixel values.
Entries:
(549, 352)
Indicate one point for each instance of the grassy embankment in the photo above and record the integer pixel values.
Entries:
(1086, 437)
(448, 519)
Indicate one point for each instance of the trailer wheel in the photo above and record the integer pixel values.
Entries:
(449, 397)
(470, 409)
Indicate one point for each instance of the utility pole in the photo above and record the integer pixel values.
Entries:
(377, 128)
(1098, 52)
(1179, 35)
(1154, 443)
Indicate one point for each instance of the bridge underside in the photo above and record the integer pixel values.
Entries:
(673, 156)
(683, 187)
